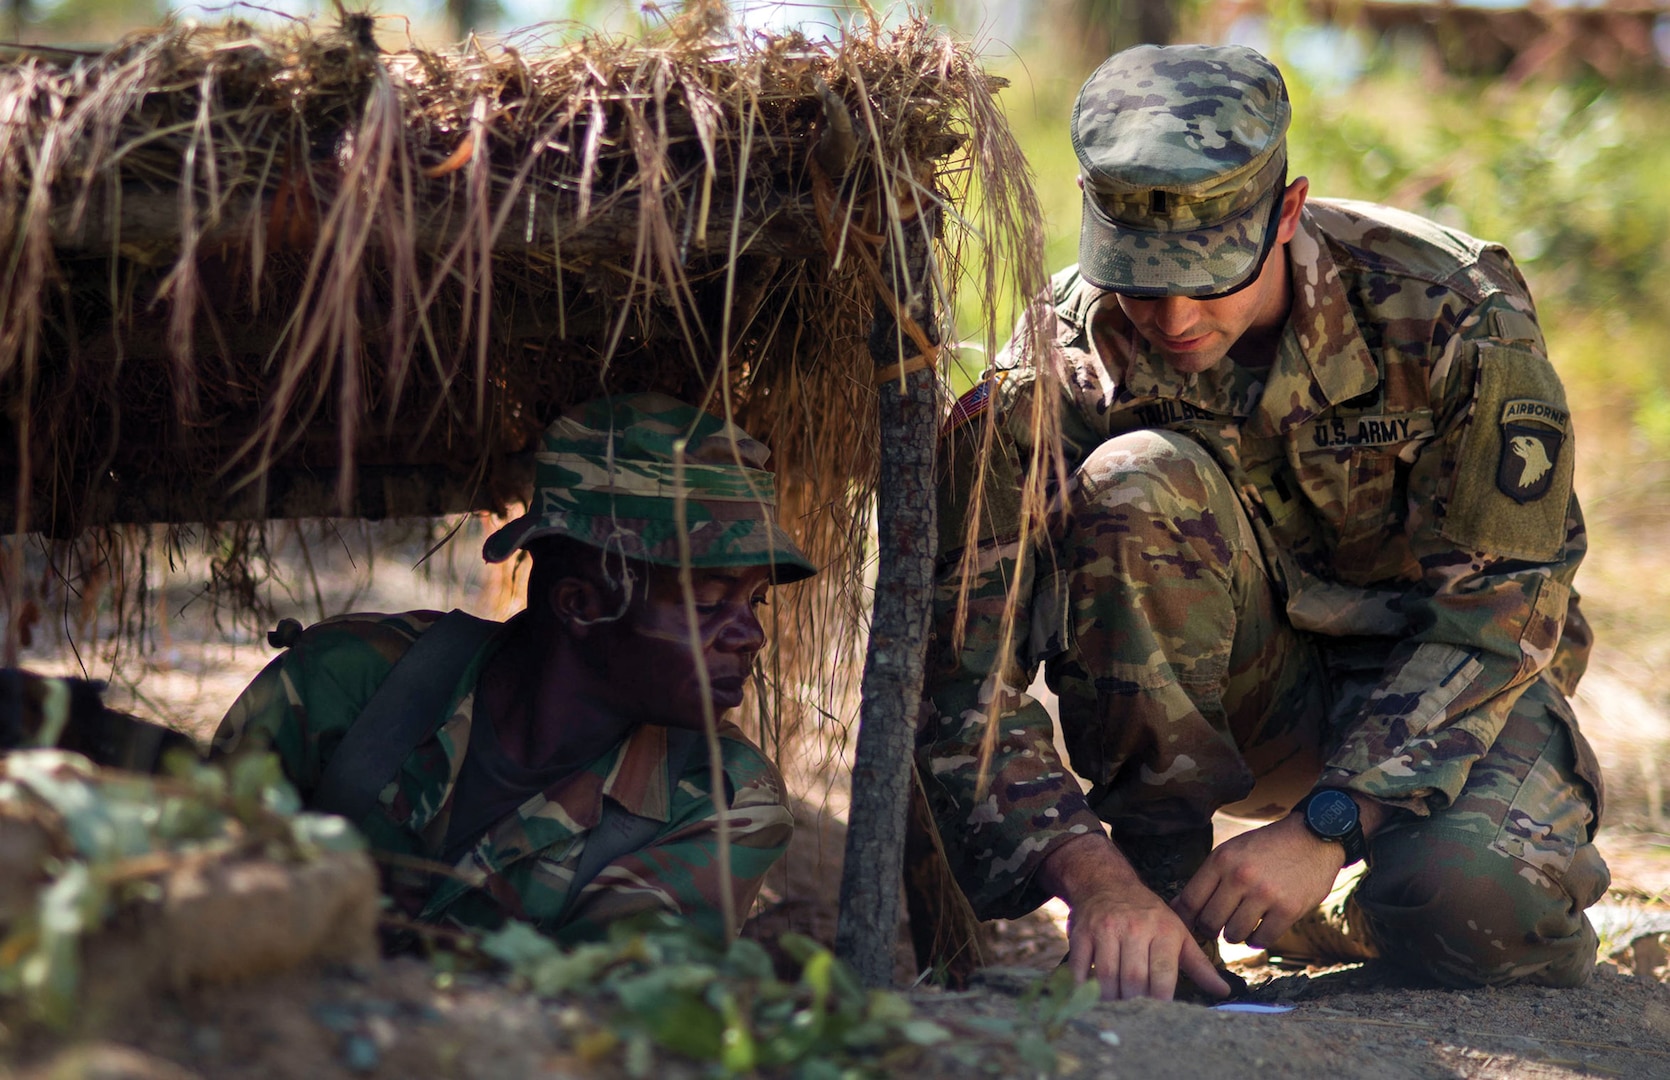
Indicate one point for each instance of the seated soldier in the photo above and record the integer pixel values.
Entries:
(554, 768)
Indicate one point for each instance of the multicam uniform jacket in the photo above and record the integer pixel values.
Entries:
(304, 702)
(1406, 466)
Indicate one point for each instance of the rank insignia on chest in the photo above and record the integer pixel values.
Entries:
(1532, 435)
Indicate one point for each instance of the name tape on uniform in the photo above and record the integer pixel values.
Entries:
(1333, 431)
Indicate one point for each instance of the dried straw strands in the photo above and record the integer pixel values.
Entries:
(254, 275)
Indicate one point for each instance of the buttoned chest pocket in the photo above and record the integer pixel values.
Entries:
(1354, 471)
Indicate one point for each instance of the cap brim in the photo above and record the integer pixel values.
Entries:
(1201, 262)
(765, 543)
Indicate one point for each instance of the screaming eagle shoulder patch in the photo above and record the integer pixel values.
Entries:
(1510, 463)
(1532, 434)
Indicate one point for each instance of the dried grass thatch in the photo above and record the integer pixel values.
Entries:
(254, 275)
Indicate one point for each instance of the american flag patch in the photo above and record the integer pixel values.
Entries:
(970, 405)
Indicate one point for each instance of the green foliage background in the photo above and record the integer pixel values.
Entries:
(1571, 176)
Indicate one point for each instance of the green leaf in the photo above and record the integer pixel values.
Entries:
(1086, 996)
(683, 1023)
(817, 975)
(1001, 1026)
(518, 945)
(888, 1008)
(749, 960)
(800, 948)
(737, 1050)
(325, 832)
(1036, 1051)
(818, 1069)
(640, 1056)
(561, 972)
(642, 990)
(924, 1032)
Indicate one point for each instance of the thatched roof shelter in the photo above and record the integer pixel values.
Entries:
(258, 275)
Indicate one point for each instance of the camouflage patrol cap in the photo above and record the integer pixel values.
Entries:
(609, 473)
(1183, 153)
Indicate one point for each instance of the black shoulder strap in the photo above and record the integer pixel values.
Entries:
(621, 832)
(399, 715)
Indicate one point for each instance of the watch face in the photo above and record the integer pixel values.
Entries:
(1331, 813)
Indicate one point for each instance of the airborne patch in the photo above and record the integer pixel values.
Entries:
(1532, 435)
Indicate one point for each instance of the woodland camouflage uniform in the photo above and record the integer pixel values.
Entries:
(610, 474)
(1351, 570)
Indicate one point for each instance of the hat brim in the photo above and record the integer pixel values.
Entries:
(754, 542)
(1202, 262)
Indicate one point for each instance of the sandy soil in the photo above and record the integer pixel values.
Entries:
(394, 1020)
(1360, 1022)
(397, 1019)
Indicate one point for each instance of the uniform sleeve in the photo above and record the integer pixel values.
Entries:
(1493, 521)
(303, 702)
(679, 871)
(995, 834)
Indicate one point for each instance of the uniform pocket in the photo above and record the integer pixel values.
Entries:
(1550, 812)
(1353, 470)
(1373, 513)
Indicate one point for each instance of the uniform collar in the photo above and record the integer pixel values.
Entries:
(633, 773)
(1321, 359)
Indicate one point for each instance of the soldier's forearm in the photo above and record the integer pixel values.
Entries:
(1086, 865)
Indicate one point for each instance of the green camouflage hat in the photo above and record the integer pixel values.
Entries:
(1183, 153)
(608, 473)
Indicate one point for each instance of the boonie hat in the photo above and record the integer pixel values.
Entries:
(608, 473)
(1183, 154)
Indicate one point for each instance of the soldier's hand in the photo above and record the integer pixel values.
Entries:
(1254, 887)
(1120, 931)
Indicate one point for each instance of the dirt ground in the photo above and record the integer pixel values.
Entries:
(1353, 1023)
(396, 1019)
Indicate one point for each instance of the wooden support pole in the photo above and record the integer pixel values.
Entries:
(867, 931)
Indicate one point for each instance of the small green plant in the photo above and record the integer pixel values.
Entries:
(668, 988)
(106, 837)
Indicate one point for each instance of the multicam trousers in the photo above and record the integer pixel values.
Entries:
(1184, 691)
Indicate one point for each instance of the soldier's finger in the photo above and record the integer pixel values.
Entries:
(1107, 968)
(1133, 971)
(1270, 929)
(1162, 970)
(1243, 920)
(1187, 904)
(1081, 952)
(1216, 911)
(1200, 970)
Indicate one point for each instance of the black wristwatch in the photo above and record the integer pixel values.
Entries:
(1332, 815)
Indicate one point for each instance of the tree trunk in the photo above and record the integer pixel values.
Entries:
(867, 932)
(1100, 28)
